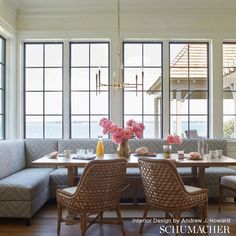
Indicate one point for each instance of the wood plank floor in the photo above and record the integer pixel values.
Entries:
(44, 223)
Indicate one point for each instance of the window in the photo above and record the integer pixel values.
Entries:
(2, 86)
(143, 60)
(87, 105)
(229, 89)
(43, 77)
(189, 76)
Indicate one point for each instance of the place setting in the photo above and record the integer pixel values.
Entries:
(84, 154)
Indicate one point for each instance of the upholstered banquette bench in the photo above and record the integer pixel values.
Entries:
(24, 188)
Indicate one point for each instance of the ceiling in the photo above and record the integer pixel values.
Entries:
(22, 5)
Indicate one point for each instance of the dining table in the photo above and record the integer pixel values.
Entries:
(197, 166)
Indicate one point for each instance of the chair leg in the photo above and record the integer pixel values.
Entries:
(120, 221)
(83, 224)
(176, 225)
(144, 217)
(220, 198)
(205, 212)
(101, 218)
(27, 221)
(59, 217)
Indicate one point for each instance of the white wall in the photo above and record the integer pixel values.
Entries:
(210, 25)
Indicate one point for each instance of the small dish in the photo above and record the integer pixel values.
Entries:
(194, 158)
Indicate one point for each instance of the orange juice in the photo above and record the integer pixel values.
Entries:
(100, 148)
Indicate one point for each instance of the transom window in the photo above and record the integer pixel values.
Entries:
(2, 86)
(143, 63)
(88, 105)
(229, 89)
(43, 74)
(189, 76)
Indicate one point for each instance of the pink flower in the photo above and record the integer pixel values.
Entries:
(174, 139)
(138, 129)
(130, 122)
(178, 140)
(128, 133)
(170, 139)
(142, 126)
(118, 136)
(102, 120)
(113, 128)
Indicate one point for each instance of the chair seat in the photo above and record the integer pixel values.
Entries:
(191, 189)
(70, 190)
(229, 181)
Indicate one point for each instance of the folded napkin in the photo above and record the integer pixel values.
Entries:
(53, 154)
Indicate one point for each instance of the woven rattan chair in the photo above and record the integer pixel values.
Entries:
(98, 190)
(165, 190)
(226, 183)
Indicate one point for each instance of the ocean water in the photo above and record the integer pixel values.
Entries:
(81, 129)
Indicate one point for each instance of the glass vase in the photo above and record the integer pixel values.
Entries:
(167, 151)
(123, 149)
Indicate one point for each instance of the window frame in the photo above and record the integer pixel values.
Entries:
(89, 67)
(227, 91)
(143, 90)
(43, 90)
(189, 90)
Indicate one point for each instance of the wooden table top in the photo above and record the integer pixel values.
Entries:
(133, 161)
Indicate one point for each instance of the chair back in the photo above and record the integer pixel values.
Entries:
(163, 185)
(101, 184)
(191, 133)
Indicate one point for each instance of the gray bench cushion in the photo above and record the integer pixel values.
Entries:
(189, 145)
(25, 184)
(214, 173)
(36, 148)
(153, 145)
(59, 176)
(12, 157)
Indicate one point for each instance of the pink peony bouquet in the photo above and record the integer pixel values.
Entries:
(119, 135)
(174, 139)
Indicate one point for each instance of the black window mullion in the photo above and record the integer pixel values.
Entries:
(44, 91)
(188, 89)
(4, 88)
(142, 85)
(89, 115)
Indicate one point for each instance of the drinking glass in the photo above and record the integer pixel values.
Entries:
(80, 152)
(181, 154)
(67, 153)
(89, 151)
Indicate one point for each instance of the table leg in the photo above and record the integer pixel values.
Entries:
(194, 171)
(201, 177)
(71, 173)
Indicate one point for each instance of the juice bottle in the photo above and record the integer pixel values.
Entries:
(100, 147)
